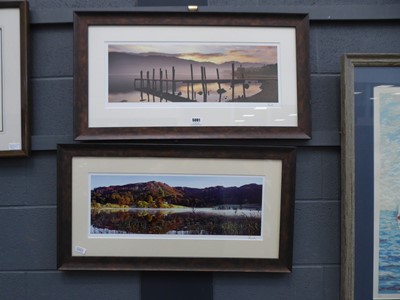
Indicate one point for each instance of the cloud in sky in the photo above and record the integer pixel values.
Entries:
(204, 52)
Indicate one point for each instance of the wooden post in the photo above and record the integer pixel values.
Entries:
(233, 81)
(154, 87)
(173, 81)
(148, 86)
(219, 86)
(166, 81)
(161, 84)
(191, 76)
(141, 85)
(205, 85)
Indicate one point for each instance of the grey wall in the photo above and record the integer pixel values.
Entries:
(28, 185)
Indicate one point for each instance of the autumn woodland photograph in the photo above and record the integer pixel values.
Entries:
(176, 205)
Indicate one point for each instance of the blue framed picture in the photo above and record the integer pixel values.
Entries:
(371, 168)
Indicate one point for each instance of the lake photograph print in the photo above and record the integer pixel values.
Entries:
(176, 205)
(192, 72)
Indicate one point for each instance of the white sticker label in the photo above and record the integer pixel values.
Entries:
(14, 146)
(80, 250)
(195, 121)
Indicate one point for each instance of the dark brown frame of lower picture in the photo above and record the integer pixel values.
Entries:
(283, 157)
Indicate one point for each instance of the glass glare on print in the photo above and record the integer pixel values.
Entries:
(176, 205)
(192, 72)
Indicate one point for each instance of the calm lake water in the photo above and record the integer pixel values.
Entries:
(389, 254)
(179, 221)
(124, 84)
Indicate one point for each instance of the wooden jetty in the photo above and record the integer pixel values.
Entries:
(164, 88)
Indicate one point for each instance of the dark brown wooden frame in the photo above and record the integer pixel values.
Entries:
(24, 29)
(66, 261)
(348, 138)
(83, 20)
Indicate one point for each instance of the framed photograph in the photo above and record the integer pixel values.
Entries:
(370, 173)
(163, 75)
(186, 208)
(14, 136)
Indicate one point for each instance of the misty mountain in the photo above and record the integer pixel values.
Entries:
(121, 63)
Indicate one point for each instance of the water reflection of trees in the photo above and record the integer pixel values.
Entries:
(158, 222)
